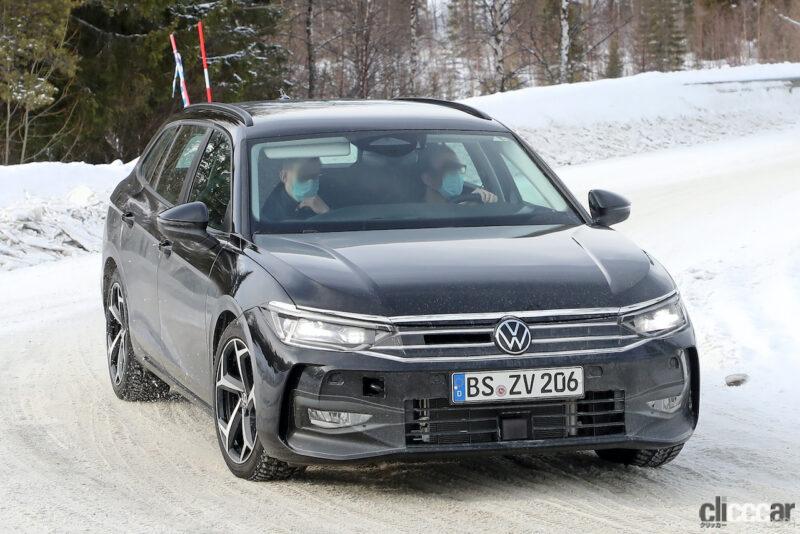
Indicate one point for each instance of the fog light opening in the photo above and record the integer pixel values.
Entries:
(667, 405)
(374, 387)
(329, 419)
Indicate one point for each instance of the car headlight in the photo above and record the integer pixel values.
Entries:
(659, 319)
(309, 329)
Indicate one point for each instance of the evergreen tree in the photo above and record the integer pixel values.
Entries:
(661, 40)
(576, 55)
(127, 66)
(244, 60)
(35, 66)
(545, 34)
(125, 74)
(674, 35)
(614, 65)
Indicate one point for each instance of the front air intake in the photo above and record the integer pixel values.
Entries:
(437, 422)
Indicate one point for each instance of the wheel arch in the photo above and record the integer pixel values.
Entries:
(223, 320)
(109, 268)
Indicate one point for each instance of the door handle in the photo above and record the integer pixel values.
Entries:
(127, 218)
(165, 247)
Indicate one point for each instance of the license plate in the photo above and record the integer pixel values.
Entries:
(517, 385)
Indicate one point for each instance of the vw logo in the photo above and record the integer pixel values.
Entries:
(512, 336)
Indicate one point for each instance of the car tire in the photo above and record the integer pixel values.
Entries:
(640, 457)
(234, 412)
(129, 379)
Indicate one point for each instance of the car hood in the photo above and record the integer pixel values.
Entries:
(462, 270)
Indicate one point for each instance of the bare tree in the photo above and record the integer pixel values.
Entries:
(499, 12)
(414, 58)
(500, 18)
(564, 44)
(458, 48)
(788, 19)
(311, 57)
(364, 52)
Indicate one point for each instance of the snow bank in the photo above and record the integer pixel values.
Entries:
(53, 210)
(51, 179)
(577, 123)
(35, 231)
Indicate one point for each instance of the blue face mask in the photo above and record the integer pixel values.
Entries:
(452, 184)
(303, 189)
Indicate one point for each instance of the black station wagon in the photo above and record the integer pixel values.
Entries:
(350, 281)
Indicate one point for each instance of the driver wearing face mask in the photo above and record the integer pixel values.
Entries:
(443, 176)
(296, 196)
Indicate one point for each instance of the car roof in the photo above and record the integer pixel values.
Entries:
(289, 117)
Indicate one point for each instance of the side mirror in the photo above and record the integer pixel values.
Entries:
(185, 221)
(608, 208)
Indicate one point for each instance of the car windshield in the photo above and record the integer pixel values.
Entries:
(399, 179)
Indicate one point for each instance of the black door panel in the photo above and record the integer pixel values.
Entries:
(139, 247)
(184, 270)
(141, 241)
(183, 286)
(139, 254)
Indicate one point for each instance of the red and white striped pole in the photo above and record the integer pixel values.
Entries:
(179, 72)
(205, 61)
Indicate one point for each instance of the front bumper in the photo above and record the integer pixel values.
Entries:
(411, 416)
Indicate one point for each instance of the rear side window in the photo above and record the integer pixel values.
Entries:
(212, 182)
(153, 157)
(178, 161)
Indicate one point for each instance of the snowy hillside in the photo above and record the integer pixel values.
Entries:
(582, 122)
(53, 210)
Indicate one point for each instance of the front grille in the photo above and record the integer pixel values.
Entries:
(437, 422)
(605, 334)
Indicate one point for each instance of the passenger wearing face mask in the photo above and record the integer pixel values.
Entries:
(296, 196)
(443, 176)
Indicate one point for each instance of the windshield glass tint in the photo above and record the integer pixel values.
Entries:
(402, 179)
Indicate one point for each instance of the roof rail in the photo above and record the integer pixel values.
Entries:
(229, 110)
(448, 103)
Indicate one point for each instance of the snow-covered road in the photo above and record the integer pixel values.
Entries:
(721, 217)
